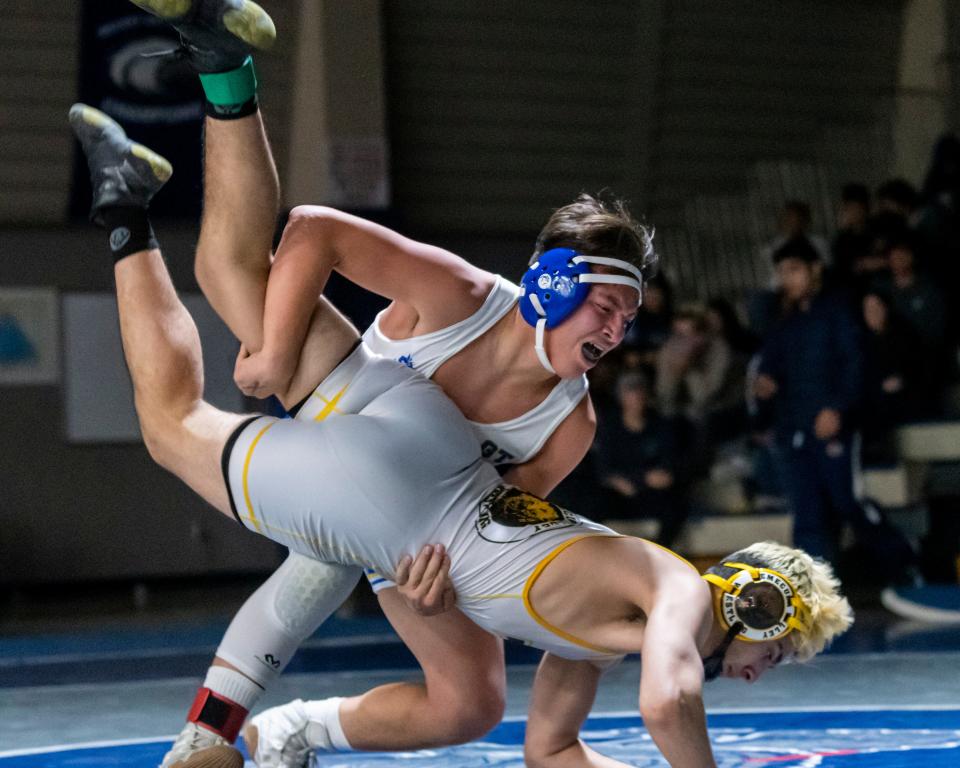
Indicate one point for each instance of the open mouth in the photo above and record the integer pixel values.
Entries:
(591, 352)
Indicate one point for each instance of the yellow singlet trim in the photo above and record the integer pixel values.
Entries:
(532, 579)
(681, 558)
(251, 516)
(492, 597)
(330, 405)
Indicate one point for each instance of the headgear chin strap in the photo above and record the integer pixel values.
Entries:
(558, 282)
(762, 600)
(713, 664)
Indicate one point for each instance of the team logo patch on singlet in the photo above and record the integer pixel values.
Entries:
(508, 515)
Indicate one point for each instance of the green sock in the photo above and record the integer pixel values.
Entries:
(231, 95)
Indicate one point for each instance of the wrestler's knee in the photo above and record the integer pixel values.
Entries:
(470, 711)
(157, 429)
(175, 434)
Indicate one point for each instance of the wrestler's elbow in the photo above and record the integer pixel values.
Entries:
(310, 220)
(310, 232)
(155, 431)
(664, 706)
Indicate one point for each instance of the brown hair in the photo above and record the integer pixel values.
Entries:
(595, 226)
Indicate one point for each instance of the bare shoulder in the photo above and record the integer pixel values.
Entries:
(454, 295)
(667, 575)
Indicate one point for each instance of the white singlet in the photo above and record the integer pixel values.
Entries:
(507, 442)
(391, 466)
(515, 441)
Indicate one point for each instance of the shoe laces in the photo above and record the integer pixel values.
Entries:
(191, 739)
(181, 51)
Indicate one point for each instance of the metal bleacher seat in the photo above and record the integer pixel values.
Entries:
(926, 443)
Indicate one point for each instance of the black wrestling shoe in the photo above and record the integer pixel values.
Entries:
(215, 35)
(122, 173)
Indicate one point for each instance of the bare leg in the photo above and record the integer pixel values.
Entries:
(241, 196)
(241, 199)
(183, 433)
(463, 696)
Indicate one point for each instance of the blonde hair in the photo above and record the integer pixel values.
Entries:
(816, 583)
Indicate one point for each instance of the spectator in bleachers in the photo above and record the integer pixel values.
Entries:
(653, 324)
(885, 228)
(727, 418)
(898, 196)
(636, 456)
(795, 221)
(852, 242)
(810, 375)
(918, 300)
(693, 383)
(723, 320)
(892, 371)
(692, 365)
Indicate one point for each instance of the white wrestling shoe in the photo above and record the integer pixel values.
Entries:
(197, 747)
(286, 736)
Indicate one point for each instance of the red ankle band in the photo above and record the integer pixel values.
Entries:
(217, 714)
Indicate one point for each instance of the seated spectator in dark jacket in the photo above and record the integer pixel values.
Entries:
(723, 320)
(919, 302)
(884, 228)
(810, 374)
(852, 243)
(637, 461)
(892, 370)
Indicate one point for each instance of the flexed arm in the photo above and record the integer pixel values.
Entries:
(438, 287)
(671, 684)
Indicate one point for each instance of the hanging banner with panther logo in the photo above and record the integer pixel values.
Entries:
(156, 98)
(508, 515)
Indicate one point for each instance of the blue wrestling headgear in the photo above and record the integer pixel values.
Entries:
(558, 282)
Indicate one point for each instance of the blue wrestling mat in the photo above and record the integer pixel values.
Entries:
(879, 738)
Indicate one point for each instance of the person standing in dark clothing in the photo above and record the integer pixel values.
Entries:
(637, 461)
(810, 373)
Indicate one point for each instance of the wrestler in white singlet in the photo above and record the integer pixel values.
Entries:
(298, 596)
(507, 442)
(515, 441)
(393, 465)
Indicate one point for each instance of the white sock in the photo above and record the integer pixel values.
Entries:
(325, 730)
(233, 685)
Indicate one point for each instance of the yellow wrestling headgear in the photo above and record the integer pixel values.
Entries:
(761, 600)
